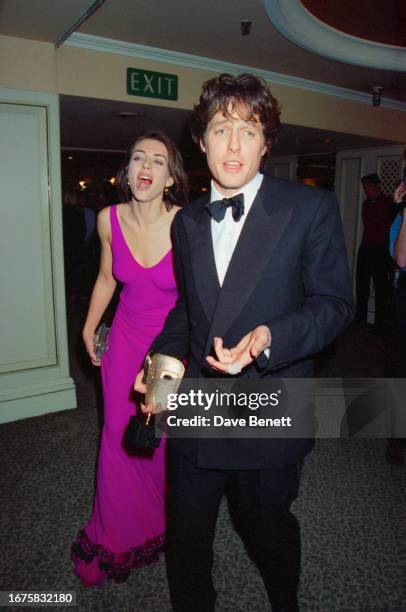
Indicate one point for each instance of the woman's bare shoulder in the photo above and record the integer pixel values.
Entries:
(103, 222)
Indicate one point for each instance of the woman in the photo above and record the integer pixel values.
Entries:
(127, 526)
(395, 349)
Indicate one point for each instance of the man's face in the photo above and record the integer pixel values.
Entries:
(234, 147)
(372, 190)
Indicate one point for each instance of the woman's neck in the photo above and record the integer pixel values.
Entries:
(147, 214)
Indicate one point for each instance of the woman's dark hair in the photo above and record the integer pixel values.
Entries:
(227, 93)
(178, 192)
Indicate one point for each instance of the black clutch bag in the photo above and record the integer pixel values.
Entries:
(140, 432)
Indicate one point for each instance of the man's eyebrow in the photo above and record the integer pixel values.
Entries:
(252, 122)
(221, 121)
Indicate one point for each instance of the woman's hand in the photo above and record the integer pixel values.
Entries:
(88, 339)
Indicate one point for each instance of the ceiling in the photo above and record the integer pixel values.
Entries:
(381, 21)
(213, 32)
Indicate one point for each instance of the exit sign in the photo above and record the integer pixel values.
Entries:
(152, 84)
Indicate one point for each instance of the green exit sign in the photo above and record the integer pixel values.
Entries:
(152, 84)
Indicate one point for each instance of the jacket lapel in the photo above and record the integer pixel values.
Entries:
(207, 285)
(261, 234)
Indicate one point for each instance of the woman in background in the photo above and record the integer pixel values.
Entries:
(126, 529)
(395, 350)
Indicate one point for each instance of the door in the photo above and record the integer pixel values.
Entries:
(282, 166)
(34, 371)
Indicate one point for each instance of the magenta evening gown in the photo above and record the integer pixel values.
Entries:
(126, 529)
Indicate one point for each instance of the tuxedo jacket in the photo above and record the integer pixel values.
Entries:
(289, 271)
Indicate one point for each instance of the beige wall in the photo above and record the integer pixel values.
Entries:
(300, 107)
(29, 65)
(36, 66)
(102, 75)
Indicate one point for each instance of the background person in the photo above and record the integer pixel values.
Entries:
(395, 353)
(373, 260)
(90, 248)
(74, 231)
(127, 525)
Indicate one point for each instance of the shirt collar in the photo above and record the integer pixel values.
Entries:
(249, 190)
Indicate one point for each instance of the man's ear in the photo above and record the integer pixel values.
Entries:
(202, 147)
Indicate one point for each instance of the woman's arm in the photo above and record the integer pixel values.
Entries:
(104, 287)
(400, 244)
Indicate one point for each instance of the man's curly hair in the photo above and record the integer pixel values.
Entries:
(227, 93)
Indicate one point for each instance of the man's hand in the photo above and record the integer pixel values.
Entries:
(141, 387)
(231, 361)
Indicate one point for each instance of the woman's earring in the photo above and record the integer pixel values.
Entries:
(166, 190)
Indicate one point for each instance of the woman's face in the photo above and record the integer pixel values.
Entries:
(148, 170)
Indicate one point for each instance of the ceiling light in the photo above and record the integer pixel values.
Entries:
(127, 115)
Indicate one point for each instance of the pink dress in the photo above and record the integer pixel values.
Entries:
(127, 526)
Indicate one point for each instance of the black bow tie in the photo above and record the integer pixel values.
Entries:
(218, 208)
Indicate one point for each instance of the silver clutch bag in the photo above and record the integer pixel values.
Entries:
(101, 340)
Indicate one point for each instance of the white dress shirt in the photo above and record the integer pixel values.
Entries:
(225, 233)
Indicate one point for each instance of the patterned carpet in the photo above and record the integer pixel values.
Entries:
(352, 510)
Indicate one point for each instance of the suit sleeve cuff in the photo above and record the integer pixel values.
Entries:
(262, 360)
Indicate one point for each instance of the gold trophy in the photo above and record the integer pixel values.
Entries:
(162, 376)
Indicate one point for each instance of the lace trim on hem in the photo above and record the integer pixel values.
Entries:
(117, 564)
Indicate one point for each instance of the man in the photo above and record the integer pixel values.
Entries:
(264, 285)
(373, 258)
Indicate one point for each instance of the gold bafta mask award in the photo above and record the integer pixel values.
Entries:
(162, 375)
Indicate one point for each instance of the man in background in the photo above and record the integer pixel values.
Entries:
(373, 255)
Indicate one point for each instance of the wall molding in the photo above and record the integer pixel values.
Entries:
(301, 27)
(107, 45)
(37, 405)
(40, 388)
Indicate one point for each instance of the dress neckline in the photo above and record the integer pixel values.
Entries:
(130, 251)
